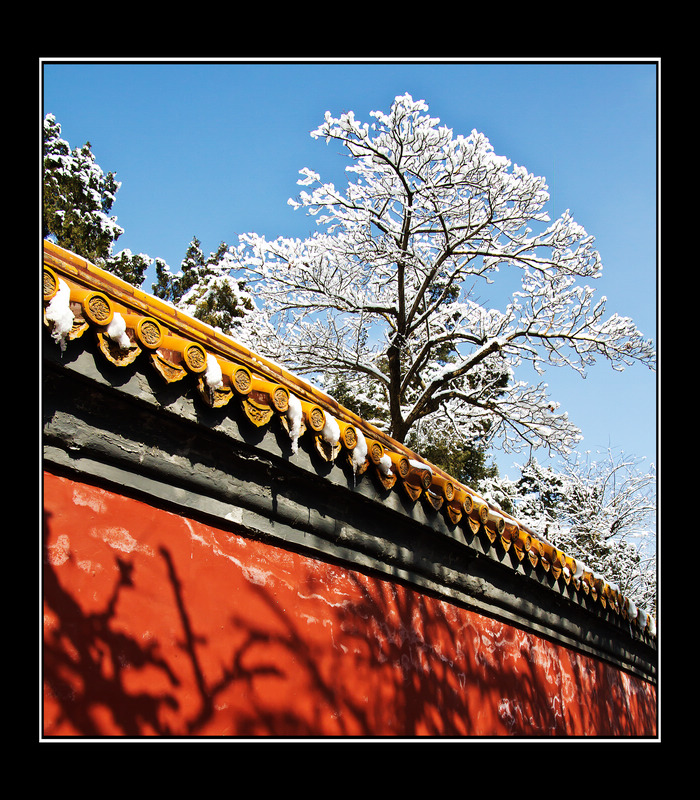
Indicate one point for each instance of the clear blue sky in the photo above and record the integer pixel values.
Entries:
(213, 149)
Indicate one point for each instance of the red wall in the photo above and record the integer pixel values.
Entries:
(155, 624)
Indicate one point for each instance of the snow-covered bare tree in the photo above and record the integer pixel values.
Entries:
(385, 295)
(600, 510)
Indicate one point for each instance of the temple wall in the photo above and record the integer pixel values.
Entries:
(204, 574)
(158, 624)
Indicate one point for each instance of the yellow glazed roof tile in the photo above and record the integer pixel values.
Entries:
(78, 296)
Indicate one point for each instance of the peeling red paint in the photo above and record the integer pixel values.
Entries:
(155, 625)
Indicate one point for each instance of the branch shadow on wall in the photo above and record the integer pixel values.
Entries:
(415, 671)
(83, 657)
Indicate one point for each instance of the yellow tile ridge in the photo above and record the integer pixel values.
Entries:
(180, 345)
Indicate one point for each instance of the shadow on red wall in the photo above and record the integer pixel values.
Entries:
(160, 626)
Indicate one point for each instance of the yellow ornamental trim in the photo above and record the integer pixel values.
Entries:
(130, 324)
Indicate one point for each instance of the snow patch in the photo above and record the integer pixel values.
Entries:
(420, 465)
(294, 416)
(116, 330)
(384, 464)
(213, 377)
(60, 316)
(331, 430)
(359, 452)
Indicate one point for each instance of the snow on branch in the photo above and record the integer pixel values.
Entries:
(389, 289)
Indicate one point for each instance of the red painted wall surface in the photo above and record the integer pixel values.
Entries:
(155, 624)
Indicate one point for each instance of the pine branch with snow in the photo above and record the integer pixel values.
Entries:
(77, 197)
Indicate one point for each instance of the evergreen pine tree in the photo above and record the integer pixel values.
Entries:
(77, 201)
(77, 197)
(205, 288)
(600, 512)
(129, 267)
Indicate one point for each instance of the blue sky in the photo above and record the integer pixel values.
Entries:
(213, 149)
